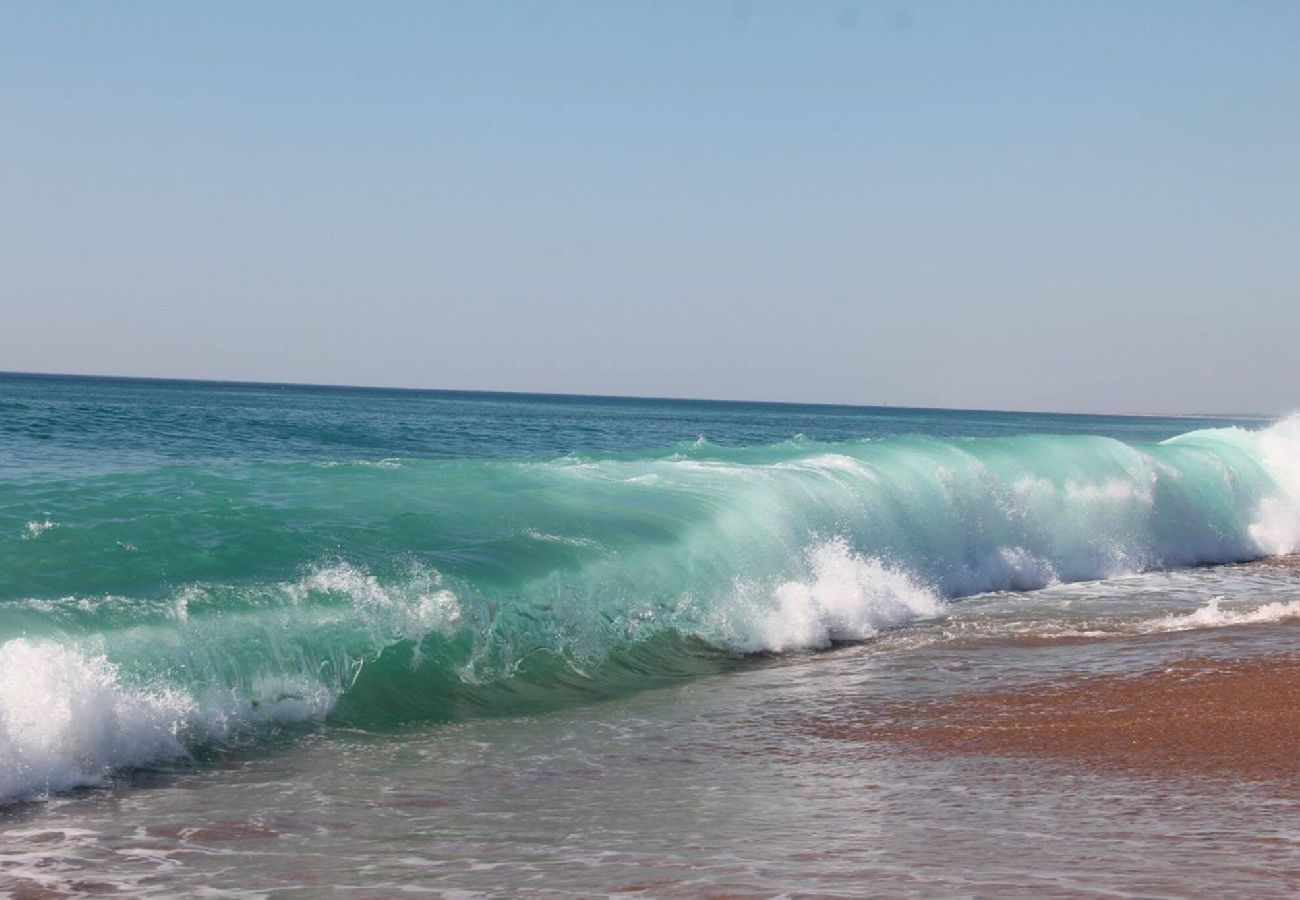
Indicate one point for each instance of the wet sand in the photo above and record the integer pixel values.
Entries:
(1291, 562)
(1235, 718)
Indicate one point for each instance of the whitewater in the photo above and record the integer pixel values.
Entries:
(201, 568)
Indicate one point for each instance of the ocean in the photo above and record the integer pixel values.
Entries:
(273, 639)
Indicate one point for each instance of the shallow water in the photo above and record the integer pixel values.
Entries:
(717, 785)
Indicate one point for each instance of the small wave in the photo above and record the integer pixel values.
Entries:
(1214, 615)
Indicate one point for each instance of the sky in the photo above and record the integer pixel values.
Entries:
(1089, 206)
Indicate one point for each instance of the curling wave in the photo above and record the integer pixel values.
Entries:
(179, 607)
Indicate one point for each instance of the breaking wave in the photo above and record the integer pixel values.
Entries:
(214, 604)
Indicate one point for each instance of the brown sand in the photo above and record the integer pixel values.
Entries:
(1238, 718)
(1275, 562)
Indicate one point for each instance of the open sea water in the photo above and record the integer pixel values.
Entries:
(288, 640)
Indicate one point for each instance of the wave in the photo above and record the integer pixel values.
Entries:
(182, 608)
(1214, 615)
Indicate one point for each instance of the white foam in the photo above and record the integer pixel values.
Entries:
(548, 538)
(66, 720)
(845, 597)
(421, 606)
(1213, 615)
(37, 528)
(1276, 528)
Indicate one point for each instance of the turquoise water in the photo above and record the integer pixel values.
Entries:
(191, 566)
(268, 640)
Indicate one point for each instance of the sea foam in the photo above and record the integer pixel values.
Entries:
(1276, 529)
(845, 597)
(66, 720)
(1214, 615)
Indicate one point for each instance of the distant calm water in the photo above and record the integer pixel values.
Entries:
(302, 637)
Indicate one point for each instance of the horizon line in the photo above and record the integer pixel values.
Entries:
(250, 383)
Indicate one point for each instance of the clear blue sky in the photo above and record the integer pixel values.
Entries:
(1088, 206)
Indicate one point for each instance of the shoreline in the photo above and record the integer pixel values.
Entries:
(1234, 718)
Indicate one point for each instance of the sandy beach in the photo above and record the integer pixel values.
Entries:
(1235, 718)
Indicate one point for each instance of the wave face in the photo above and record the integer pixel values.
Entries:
(151, 613)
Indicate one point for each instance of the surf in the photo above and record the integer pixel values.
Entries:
(151, 614)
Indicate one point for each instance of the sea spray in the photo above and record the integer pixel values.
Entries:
(66, 719)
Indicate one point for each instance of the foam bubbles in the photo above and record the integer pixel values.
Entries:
(421, 605)
(1213, 615)
(845, 597)
(66, 720)
(69, 719)
(36, 528)
(1276, 528)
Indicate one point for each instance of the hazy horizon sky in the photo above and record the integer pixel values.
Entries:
(1087, 207)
